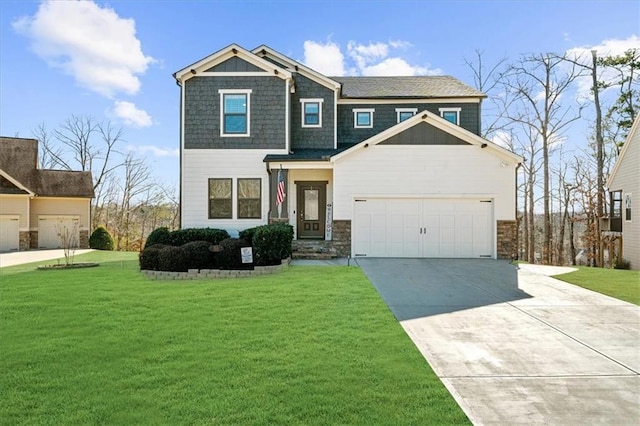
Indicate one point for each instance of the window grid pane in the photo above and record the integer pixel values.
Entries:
(405, 116)
(363, 118)
(249, 199)
(450, 116)
(235, 113)
(311, 113)
(220, 199)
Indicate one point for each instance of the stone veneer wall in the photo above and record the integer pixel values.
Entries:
(507, 244)
(34, 240)
(342, 237)
(25, 240)
(84, 239)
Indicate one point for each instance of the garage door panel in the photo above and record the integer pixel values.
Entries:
(423, 228)
(50, 229)
(9, 234)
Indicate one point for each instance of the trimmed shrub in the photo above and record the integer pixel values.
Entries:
(158, 236)
(150, 257)
(247, 234)
(622, 263)
(230, 256)
(183, 236)
(173, 259)
(272, 243)
(199, 256)
(100, 239)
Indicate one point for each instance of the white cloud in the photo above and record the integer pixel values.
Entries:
(93, 44)
(154, 150)
(325, 58)
(131, 115)
(503, 139)
(373, 59)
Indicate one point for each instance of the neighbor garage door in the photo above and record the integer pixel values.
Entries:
(50, 229)
(446, 228)
(9, 233)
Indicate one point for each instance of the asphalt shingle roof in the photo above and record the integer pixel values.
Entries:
(440, 86)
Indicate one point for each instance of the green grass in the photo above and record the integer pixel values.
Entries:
(310, 345)
(618, 283)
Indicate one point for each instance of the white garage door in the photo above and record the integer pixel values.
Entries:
(423, 228)
(9, 233)
(52, 230)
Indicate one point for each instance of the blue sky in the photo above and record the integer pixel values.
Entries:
(114, 60)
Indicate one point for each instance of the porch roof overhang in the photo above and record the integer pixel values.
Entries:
(303, 159)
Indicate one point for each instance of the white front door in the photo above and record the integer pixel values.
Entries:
(9, 233)
(445, 228)
(53, 230)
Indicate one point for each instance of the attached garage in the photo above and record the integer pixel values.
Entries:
(436, 228)
(9, 233)
(51, 230)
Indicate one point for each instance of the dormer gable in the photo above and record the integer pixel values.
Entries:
(231, 59)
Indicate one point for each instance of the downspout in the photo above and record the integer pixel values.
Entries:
(181, 112)
(516, 215)
(266, 165)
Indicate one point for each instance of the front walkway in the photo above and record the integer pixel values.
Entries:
(514, 346)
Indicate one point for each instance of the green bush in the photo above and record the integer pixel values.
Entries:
(100, 239)
(247, 234)
(230, 256)
(158, 236)
(150, 257)
(173, 259)
(199, 256)
(622, 263)
(272, 243)
(183, 236)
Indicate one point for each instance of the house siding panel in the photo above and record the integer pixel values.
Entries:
(16, 205)
(304, 137)
(267, 113)
(424, 134)
(235, 64)
(61, 207)
(385, 117)
(627, 179)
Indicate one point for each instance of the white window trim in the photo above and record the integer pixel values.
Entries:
(456, 110)
(223, 92)
(627, 197)
(414, 111)
(355, 117)
(319, 101)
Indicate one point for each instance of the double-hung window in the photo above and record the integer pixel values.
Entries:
(220, 199)
(405, 113)
(235, 114)
(311, 112)
(363, 118)
(249, 198)
(451, 114)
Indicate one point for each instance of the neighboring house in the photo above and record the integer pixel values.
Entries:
(371, 166)
(36, 204)
(623, 183)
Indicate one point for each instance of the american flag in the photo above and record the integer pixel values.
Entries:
(281, 194)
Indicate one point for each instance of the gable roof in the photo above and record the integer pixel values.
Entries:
(441, 86)
(440, 123)
(233, 50)
(625, 148)
(19, 164)
(266, 51)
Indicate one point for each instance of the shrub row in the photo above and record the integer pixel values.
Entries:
(177, 252)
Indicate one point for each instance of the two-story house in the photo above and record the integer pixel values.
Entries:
(372, 166)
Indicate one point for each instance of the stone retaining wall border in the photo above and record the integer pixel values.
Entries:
(202, 274)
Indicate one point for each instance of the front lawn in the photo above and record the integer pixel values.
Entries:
(618, 283)
(310, 345)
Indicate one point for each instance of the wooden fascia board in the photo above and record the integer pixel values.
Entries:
(440, 123)
(227, 53)
(15, 182)
(306, 71)
(625, 148)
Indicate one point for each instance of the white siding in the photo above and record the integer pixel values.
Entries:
(627, 179)
(432, 171)
(199, 165)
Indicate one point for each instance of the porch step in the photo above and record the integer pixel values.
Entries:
(313, 249)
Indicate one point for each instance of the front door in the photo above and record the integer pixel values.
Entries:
(311, 209)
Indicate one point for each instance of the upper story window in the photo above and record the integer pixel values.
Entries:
(311, 112)
(363, 118)
(451, 114)
(220, 199)
(235, 107)
(405, 113)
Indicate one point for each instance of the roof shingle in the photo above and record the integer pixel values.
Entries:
(440, 86)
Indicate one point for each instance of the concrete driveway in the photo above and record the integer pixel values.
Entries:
(30, 256)
(517, 347)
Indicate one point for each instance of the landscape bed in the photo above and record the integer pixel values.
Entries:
(309, 345)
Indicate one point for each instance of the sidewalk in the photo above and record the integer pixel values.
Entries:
(30, 256)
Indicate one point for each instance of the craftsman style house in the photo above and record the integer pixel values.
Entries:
(366, 166)
(37, 205)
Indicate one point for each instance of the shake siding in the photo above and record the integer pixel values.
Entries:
(311, 137)
(627, 179)
(200, 165)
(426, 172)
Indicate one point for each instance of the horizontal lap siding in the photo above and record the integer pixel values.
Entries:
(60, 207)
(426, 172)
(12, 205)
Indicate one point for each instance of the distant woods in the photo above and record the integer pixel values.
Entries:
(129, 201)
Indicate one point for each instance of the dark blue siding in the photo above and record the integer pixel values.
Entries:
(311, 137)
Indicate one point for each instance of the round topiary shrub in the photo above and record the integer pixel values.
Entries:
(158, 236)
(230, 256)
(150, 258)
(100, 239)
(199, 256)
